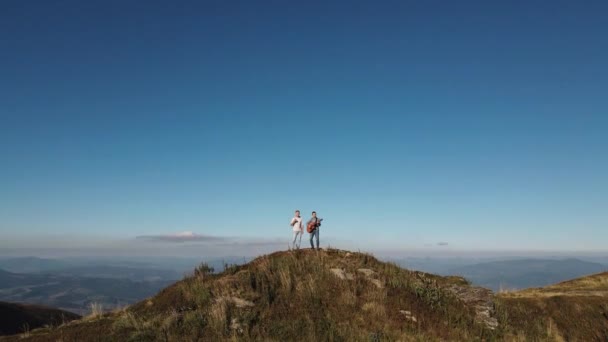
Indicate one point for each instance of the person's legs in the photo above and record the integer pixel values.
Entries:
(312, 235)
(317, 232)
(300, 240)
(295, 236)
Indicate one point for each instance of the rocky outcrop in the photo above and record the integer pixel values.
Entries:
(340, 273)
(481, 299)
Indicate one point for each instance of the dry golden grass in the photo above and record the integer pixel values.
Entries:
(286, 282)
(553, 332)
(377, 310)
(348, 298)
(96, 311)
(218, 315)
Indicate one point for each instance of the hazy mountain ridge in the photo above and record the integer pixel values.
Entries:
(33, 264)
(525, 273)
(73, 284)
(74, 294)
(121, 272)
(173, 267)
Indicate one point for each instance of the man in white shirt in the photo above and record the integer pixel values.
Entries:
(296, 223)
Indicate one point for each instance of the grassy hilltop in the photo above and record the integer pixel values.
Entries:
(334, 295)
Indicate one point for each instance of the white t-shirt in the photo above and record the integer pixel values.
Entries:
(297, 226)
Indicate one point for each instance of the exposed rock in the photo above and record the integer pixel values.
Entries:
(368, 272)
(341, 274)
(236, 326)
(185, 308)
(241, 303)
(408, 315)
(377, 282)
(481, 299)
(238, 302)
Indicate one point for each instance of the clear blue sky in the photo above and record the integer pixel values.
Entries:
(403, 123)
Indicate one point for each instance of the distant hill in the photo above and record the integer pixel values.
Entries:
(334, 295)
(74, 293)
(525, 273)
(11, 280)
(137, 268)
(32, 264)
(74, 284)
(441, 266)
(118, 272)
(18, 318)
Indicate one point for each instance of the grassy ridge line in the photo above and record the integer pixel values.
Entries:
(293, 296)
(334, 295)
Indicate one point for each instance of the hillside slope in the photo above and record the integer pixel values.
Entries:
(333, 295)
(574, 310)
(19, 318)
(305, 295)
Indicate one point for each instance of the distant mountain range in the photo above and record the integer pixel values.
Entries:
(74, 284)
(136, 268)
(74, 294)
(525, 273)
(77, 267)
(33, 264)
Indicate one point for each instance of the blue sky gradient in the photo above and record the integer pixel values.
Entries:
(404, 124)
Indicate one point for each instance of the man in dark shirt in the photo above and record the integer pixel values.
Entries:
(316, 222)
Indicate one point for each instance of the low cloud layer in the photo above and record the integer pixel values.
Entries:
(190, 243)
(255, 243)
(210, 240)
(442, 243)
(182, 237)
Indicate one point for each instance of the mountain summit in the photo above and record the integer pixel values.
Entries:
(329, 295)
